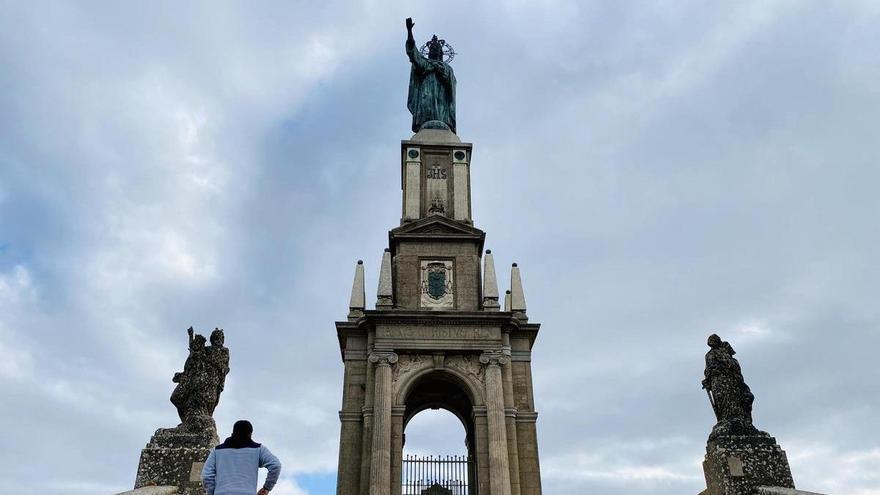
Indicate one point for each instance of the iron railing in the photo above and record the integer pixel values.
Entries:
(452, 472)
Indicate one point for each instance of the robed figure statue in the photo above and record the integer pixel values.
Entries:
(729, 395)
(431, 98)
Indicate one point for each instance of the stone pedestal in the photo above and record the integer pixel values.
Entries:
(739, 464)
(175, 457)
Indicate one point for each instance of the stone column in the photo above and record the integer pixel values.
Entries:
(367, 410)
(510, 419)
(499, 467)
(480, 482)
(380, 465)
(397, 413)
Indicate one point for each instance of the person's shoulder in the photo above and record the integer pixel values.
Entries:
(249, 445)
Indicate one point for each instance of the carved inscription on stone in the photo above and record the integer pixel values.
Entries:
(439, 333)
(437, 172)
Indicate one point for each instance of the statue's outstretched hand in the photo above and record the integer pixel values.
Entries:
(263, 491)
(409, 24)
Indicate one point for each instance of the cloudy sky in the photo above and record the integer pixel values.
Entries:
(659, 171)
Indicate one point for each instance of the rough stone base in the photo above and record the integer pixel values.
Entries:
(175, 458)
(738, 465)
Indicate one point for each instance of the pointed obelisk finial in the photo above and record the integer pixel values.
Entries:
(490, 283)
(507, 300)
(358, 299)
(517, 298)
(384, 294)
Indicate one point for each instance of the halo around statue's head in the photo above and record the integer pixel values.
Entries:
(446, 48)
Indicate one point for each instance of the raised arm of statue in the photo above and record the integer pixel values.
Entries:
(418, 61)
(409, 35)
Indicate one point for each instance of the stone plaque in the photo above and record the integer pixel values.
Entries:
(735, 464)
(195, 474)
(439, 333)
(437, 285)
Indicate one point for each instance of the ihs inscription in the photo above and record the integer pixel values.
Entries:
(437, 172)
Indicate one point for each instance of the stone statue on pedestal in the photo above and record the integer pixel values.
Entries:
(175, 456)
(200, 383)
(739, 457)
(431, 98)
(729, 395)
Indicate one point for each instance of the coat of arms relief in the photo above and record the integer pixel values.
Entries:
(437, 285)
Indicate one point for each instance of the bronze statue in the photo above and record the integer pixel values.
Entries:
(729, 395)
(431, 97)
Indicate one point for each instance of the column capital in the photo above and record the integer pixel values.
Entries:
(383, 358)
(494, 358)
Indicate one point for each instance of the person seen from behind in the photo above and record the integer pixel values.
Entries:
(231, 468)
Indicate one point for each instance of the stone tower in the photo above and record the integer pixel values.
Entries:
(439, 337)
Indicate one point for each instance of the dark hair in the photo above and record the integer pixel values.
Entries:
(242, 430)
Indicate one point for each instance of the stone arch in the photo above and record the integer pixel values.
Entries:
(472, 387)
(457, 389)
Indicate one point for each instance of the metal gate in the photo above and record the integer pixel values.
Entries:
(451, 472)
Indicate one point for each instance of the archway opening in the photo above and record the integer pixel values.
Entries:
(438, 439)
(434, 432)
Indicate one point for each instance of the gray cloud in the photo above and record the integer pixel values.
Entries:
(659, 172)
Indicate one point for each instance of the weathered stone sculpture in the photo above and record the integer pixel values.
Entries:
(729, 395)
(739, 457)
(174, 456)
(200, 384)
(431, 98)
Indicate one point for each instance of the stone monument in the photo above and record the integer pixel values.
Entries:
(175, 456)
(438, 337)
(740, 458)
